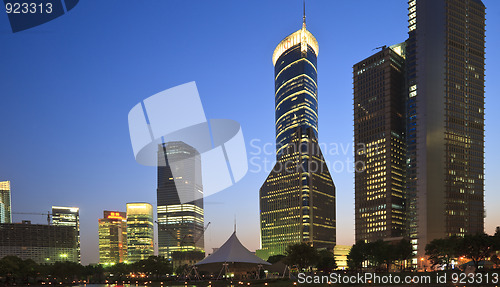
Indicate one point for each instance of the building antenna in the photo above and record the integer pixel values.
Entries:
(304, 17)
(235, 223)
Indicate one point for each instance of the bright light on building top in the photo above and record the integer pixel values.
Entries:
(301, 36)
(4, 185)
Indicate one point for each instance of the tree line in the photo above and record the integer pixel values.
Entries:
(381, 255)
(304, 257)
(476, 248)
(14, 270)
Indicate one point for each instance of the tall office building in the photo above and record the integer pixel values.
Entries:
(139, 231)
(179, 199)
(445, 119)
(5, 202)
(297, 200)
(113, 237)
(40, 242)
(68, 216)
(379, 138)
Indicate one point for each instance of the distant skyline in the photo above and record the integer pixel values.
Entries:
(68, 85)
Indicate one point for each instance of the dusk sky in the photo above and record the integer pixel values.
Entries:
(67, 87)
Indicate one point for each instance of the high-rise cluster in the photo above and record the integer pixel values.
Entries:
(419, 109)
(58, 240)
(126, 237)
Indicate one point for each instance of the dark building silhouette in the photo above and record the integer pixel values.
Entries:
(180, 199)
(68, 216)
(297, 200)
(39, 242)
(379, 137)
(444, 119)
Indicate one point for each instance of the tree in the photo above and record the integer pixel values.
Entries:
(403, 251)
(380, 253)
(94, 273)
(477, 247)
(495, 260)
(302, 255)
(154, 265)
(15, 269)
(357, 255)
(326, 261)
(441, 251)
(119, 270)
(275, 258)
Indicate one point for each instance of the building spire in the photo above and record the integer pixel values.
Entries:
(304, 17)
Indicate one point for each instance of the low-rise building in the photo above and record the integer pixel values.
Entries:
(39, 242)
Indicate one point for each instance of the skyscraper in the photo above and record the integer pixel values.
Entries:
(297, 200)
(68, 216)
(445, 119)
(5, 202)
(180, 199)
(379, 138)
(139, 231)
(113, 237)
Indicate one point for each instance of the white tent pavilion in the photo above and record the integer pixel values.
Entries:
(232, 257)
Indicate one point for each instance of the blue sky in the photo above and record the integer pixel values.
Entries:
(68, 85)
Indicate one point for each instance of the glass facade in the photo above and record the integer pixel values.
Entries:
(379, 138)
(140, 232)
(68, 216)
(297, 200)
(113, 237)
(445, 119)
(5, 202)
(180, 222)
(296, 88)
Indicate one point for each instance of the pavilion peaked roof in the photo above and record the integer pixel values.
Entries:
(233, 252)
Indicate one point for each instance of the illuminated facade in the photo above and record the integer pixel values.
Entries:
(180, 199)
(39, 242)
(5, 202)
(139, 231)
(445, 119)
(296, 89)
(297, 200)
(113, 237)
(379, 138)
(68, 216)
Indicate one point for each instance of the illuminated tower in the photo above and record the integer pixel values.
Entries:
(445, 119)
(5, 202)
(297, 200)
(180, 199)
(113, 237)
(139, 231)
(379, 138)
(68, 216)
